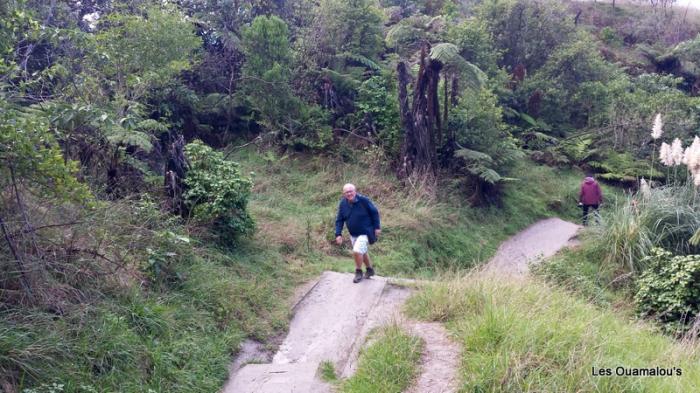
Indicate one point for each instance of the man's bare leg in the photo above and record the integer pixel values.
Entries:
(358, 260)
(365, 259)
(369, 272)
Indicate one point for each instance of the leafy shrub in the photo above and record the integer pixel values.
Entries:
(486, 147)
(30, 153)
(669, 290)
(267, 89)
(569, 83)
(216, 191)
(610, 36)
(377, 104)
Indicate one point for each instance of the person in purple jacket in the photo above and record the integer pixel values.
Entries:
(362, 219)
(590, 196)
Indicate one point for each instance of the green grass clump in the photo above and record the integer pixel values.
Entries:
(388, 365)
(525, 336)
(327, 371)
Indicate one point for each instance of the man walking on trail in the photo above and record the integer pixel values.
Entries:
(362, 219)
(590, 196)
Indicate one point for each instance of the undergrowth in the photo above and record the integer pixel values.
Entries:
(167, 319)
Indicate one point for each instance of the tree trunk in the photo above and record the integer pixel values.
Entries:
(23, 276)
(418, 153)
(406, 165)
(445, 107)
(175, 171)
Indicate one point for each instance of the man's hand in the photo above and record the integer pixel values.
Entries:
(339, 240)
(377, 232)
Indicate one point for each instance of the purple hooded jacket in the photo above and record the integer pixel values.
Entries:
(590, 193)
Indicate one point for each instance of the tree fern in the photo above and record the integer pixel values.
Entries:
(344, 78)
(368, 63)
(473, 155)
(479, 164)
(448, 54)
(117, 135)
(402, 34)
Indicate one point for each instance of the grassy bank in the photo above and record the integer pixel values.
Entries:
(526, 336)
(425, 229)
(167, 320)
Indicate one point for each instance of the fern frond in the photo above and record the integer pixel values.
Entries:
(402, 34)
(345, 78)
(448, 54)
(489, 175)
(368, 63)
(445, 53)
(123, 136)
(484, 173)
(473, 155)
(152, 126)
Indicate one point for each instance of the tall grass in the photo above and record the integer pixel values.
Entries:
(665, 217)
(165, 315)
(527, 337)
(388, 365)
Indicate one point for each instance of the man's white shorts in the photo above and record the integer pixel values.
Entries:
(359, 244)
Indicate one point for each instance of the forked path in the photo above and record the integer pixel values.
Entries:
(334, 317)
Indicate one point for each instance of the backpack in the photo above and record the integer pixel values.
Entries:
(371, 235)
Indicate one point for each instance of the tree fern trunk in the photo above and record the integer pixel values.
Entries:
(418, 149)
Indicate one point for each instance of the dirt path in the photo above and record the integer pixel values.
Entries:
(334, 316)
(440, 360)
(536, 242)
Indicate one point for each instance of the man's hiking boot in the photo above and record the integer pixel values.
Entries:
(369, 273)
(358, 276)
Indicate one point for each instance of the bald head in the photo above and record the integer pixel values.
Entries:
(349, 192)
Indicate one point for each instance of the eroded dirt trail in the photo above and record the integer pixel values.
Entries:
(440, 360)
(334, 317)
(538, 241)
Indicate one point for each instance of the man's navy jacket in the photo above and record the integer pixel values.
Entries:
(361, 217)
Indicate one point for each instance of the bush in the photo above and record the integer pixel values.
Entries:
(378, 108)
(217, 193)
(486, 148)
(666, 217)
(669, 290)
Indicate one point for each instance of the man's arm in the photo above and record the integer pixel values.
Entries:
(339, 220)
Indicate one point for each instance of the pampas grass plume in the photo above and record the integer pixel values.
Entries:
(677, 152)
(657, 129)
(665, 154)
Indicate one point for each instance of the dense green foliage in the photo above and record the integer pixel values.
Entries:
(217, 192)
(29, 153)
(669, 289)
